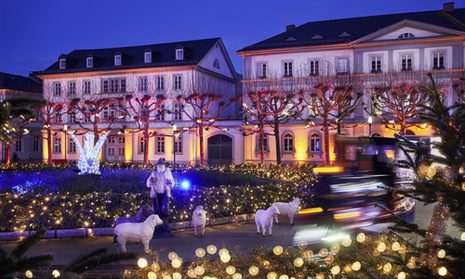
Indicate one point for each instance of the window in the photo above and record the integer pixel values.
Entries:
(71, 146)
(406, 36)
(406, 62)
(266, 147)
(288, 143)
(62, 63)
(35, 144)
(178, 144)
(72, 116)
(86, 89)
(56, 145)
(342, 65)
(112, 139)
(216, 63)
(315, 143)
(71, 89)
(314, 67)
(160, 113)
(261, 70)
(160, 83)
(177, 82)
(114, 85)
(287, 68)
(376, 64)
(117, 59)
(438, 60)
(177, 111)
(147, 57)
(143, 84)
(89, 62)
(141, 144)
(56, 89)
(18, 145)
(160, 145)
(179, 54)
(112, 110)
(106, 113)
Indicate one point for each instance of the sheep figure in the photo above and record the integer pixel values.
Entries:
(199, 219)
(264, 219)
(288, 208)
(137, 232)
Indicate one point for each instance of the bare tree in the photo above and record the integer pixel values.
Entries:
(144, 110)
(332, 99)
(273, 102)
(204, 104)
(459, 89)
(50, 115)
(398, 97)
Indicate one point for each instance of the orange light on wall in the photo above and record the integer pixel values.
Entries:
(346, 215)
(45, 153)
(301, 150)
(312, 210)
(335, 169)
(128, 147)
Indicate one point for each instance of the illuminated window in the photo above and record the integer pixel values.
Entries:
(406, 61)
(56, 89)
(117, 59)
(56, 145)
(89, 62)
(141, 148)
(288, 143)
(62, 63)
(266, 147)
(147, 57)
(160, 145)
(438, 60)
(178, 144)
(342, 65)
(261, 70)
(376, 64)
(315, 143)
(179, 54)
(71, 146)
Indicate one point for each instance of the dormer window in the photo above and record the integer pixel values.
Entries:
(117, 59)
(216, 63)
(62, 63)
(89, 62)
(406, 36)
(179, 54)
(148, 57)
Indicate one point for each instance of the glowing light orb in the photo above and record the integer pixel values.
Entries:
(230, 270)
(176, 263)
(335, 270)
(381, 247)
(28, 274)
(298, 262)
(253, 270)
(441, 254)
(211, 249)
(442, 271)
(284, 276)
(199, 270)
(395, 246)
(177, 275)
(387, 267)
(55, 273)
(223, 251)
(347, 242)
(200, 252)
(401, 275)
(172, 256)
(278, 250)
(151, 275)
(272, 275)
(361, 237)
(356, 266)
(185, 184)
(142, 263)
(237, 276)
(225, 258)
(155, 267)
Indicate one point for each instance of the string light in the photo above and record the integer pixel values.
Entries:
(230, 270)
(200, 252)
(142, 263)
(55, 273)
(253, 270)
(442, 271)
(151, 275)
(278, 250)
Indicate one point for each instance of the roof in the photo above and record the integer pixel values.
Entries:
(19, 83)
(163, 55)
(350, 29)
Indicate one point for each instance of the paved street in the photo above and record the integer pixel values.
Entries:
(184, 243)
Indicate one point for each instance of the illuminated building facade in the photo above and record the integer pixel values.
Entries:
(168, 71)
(369, 50)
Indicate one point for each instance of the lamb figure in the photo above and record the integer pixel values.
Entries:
(264, 219)
(137, 232)
(288, 208)
(199, 219)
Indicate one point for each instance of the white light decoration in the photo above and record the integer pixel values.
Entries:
(88, 162)
(142, 263)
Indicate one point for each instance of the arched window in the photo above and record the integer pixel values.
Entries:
(288, 143)
(406, 36)
(315, 143)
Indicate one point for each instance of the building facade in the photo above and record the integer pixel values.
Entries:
(138, 78)
(27, 147)
(370, 50)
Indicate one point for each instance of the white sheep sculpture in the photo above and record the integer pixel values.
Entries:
(137, 232)
(264, 219)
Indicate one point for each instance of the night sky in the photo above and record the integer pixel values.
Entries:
(33, 33)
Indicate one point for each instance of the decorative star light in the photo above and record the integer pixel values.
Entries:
(88, 162)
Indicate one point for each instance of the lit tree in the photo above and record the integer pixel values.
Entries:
(272, 102)
(49, 115)
(397, 97)
(203, 106)
(97, 114)
(144, 110)
(331, 99)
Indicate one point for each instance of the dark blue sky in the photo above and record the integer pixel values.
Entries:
(33, 33)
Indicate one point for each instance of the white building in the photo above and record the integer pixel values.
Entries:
(363, 47)
(169, 69)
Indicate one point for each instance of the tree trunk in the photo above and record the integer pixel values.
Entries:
(146, 147)
(326, 139)
(261, 139)
(278, 142)
(339, 128)
(403, 126)
(49, 146)
(202, 152)
(8, 154)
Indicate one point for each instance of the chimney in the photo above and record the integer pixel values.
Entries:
(289, 27)
(448, 7)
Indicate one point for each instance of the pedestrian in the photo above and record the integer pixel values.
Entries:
(161, 182)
